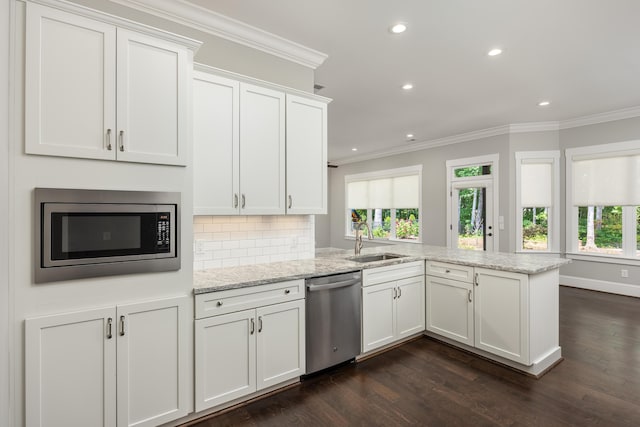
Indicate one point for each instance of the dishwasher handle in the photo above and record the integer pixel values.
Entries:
(335, 285)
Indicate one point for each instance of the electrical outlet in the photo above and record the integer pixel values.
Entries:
(624, 273)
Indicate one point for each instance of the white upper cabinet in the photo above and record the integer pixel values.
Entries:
(216, 136)
(262, 151)
(70, 79)
(257, 150)
(94, 90)
(306, 156)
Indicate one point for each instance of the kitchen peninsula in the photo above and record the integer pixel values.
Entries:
(500, 306)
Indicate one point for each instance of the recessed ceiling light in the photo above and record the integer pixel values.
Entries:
(398, 28)
(409, 135)
(407, 86)
(354, 149)
(494, 52)
(543, 103)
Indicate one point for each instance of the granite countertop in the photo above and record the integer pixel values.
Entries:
(332, 261)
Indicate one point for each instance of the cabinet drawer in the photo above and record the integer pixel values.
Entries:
(389, 273)
(450, 271)
(222, 302)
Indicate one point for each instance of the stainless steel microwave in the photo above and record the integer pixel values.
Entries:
(91, 233)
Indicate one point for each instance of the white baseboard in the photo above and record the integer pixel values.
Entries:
(601, 285)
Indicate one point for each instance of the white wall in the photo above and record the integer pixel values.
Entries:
(5, 348)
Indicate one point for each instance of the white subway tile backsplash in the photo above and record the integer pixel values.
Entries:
(226, 241)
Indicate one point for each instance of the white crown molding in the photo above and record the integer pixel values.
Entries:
(610, 116)
(199, 18)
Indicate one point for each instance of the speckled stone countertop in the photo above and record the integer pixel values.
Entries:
(332, 261)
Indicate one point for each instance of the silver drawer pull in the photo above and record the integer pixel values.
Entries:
(235, 200)
(287, 291)
(219, 303)
(469, 295)
(109, 326)
(121, 140)
(109, 139)
(447, 271)
(259, 323)
(121, 326)
(253, 326)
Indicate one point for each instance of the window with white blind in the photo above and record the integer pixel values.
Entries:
(388, 201)
(537, 201)
(603, 201)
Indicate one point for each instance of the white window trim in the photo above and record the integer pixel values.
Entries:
(387, 173)
(571, 212)
(489, 159)
(554, 225)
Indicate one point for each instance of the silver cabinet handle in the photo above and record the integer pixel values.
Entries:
(121, 326)
(235, 200)
(259, 324)
(109, 326)
(121, 140)
(395, 293)
(109, 139)
(469, 295)
(253, 327)
(219, 303)
(477, 280)
(399, 292)
(290, 201)
(243, 201)
(287, 291)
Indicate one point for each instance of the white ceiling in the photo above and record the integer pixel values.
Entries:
(582, 55)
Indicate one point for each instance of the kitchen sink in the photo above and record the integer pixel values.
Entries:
(375, 257)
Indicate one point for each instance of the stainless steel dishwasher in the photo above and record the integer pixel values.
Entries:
(333, 310)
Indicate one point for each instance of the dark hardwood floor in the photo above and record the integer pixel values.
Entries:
(428, 383)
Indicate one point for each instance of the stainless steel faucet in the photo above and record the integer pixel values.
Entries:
(359, 226)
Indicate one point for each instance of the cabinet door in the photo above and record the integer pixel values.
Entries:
(409, 306)
(152, 362)
(450, 309)
(262, 151)
(70, 369)
(216, 145)
(378, 316)
(225, 358)
(70, 85)
(306, 156)
(153, 84)
(501, 314)
(280, 343)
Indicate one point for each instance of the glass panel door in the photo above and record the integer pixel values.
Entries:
(472, 222)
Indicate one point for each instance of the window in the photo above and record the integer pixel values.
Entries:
(388, 201)
(603, 201)
(537, 201)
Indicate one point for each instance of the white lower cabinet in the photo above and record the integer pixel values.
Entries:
(243, 352)
(511, 315)
(450, 308)
(394, 309)
(116, 366)
(502, 314)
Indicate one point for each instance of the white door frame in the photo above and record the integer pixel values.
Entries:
(489, 181)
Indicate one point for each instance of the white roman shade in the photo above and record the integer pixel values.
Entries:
(606, 181)
(406, 192)
(401, 191)
(536, 183)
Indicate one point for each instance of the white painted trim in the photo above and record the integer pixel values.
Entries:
(601, 286)
(609, 116)
(80, 10)
(208, 21)
(495, 131)
(602, 258)
(246, 79)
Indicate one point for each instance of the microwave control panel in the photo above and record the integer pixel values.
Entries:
(164, 232)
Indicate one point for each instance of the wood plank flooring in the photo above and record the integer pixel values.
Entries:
(427, 383)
